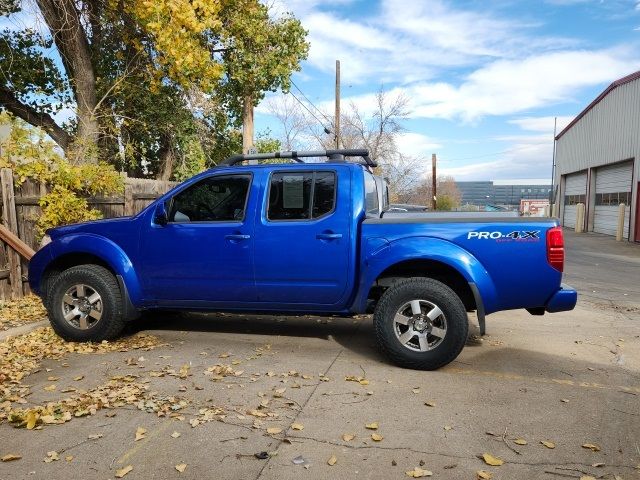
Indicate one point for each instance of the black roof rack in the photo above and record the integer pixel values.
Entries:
(332, 155)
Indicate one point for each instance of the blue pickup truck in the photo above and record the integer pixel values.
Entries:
(296, 237)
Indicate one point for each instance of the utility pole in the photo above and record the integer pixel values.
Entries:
(434, 187)
(552, 197)
(337, 117)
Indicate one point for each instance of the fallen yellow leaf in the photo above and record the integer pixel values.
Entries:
(274, 430)
(372, 426)
(347, 437)
(51, 457)
(32, 419)
(175, 434)
(520, 441)
(587, 477)
(491, 460)
(592, 447)
(297, 426)
(180, 467)
(484, 475)
(548, 444)
(68, 458)
(123, 471)
(376, 437)
(50, 388)
(10, 457)
(332, 460)
(418, 472)
(140, 433)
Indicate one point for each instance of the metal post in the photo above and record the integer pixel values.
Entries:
(337, 113)
(434, 183)
(552, 198)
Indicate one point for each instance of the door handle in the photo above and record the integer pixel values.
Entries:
(328, 236)
(237, 236)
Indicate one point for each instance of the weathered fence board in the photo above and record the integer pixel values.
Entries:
(10, 221)
(21, 209)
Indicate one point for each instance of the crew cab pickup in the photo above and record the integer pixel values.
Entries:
(302, 238)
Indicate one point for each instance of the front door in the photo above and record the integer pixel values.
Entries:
(302, 247)
(205, 251)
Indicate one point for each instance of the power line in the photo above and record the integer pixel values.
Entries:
(310, 112)
(310, 102)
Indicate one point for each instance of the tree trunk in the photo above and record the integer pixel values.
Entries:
(63, 20)
(247, 124)
(167, 160)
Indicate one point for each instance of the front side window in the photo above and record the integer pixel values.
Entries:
(214, 199)
(301, 195)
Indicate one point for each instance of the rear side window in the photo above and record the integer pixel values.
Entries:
(301, 195)
(371, 195)
(213, 199)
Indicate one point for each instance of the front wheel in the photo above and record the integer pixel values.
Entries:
(421, 323)
(85, 304)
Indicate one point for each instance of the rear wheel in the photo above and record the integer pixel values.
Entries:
(421, 323)
(85, 304)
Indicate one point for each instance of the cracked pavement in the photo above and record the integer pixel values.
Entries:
(571, 379)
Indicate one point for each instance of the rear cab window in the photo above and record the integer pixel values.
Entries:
(302, 195)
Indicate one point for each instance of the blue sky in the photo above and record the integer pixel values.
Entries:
(485, 79)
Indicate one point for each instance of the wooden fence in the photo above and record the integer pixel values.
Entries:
(20, 210)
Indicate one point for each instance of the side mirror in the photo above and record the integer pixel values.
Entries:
(160, 216)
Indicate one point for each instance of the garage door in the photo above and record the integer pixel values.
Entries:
(575, 190)
(613, 187)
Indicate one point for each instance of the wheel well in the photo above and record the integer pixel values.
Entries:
(67, 261)
(424, 268)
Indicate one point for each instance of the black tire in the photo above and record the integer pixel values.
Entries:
(101, 281)
(455, 316)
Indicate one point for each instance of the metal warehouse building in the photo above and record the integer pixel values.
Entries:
(598, 161)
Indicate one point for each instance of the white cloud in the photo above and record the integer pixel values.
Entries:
(510, 86)
(403, 42)
(507, 87)
(417, 144)
(521, 161)
(541, 124)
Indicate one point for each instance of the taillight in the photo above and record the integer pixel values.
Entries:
(555, 248)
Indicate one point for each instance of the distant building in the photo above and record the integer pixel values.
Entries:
(597, 162)
(503, 192)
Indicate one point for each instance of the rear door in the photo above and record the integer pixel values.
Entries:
(302, 237)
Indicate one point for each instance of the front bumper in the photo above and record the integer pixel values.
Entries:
(563, 300)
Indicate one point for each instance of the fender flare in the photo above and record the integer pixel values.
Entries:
(107, 251)
(387, 254)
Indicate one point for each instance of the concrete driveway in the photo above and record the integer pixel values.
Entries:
(568, 379)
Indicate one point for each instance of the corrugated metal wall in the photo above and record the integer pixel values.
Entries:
(608, 133)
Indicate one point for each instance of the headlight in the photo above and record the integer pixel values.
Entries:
(45, 241)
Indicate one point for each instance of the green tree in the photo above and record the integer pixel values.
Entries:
(153, 84)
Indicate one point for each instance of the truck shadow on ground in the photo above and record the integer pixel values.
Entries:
(486, 356)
